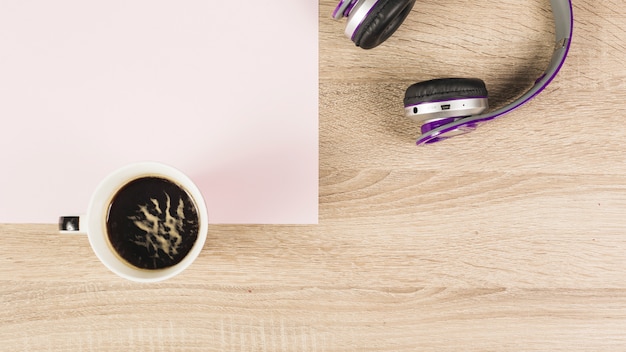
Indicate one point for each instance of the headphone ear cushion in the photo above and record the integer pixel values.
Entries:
(381, 22)
(444, 89)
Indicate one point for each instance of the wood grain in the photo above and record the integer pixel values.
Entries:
(510, 238)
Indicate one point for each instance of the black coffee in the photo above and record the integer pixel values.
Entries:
(152, 223)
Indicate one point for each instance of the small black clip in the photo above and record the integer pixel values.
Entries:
(69, 223)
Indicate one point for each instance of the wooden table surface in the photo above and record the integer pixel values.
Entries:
(511, 238)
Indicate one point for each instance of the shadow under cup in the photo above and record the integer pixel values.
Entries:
(144, 225)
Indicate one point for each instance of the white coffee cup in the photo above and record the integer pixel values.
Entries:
(156, 224)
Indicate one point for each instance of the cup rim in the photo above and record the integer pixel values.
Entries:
(98, 208)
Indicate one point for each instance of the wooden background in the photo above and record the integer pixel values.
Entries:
(511, 238)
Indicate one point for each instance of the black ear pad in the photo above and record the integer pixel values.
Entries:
(444, 89)
(381, 22)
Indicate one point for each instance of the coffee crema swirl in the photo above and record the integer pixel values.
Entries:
(152, 223)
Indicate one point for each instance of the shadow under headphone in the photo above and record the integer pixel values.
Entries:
(446, 107)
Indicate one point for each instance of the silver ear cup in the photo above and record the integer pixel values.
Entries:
(441, 101)
(429, 111)
(357, 14)
(432, 115)
(356, 11)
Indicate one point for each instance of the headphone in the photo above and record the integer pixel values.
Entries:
(446, 107)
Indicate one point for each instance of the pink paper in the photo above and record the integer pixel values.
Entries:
(227, 92)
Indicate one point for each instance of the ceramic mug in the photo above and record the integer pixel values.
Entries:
(146, 222)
